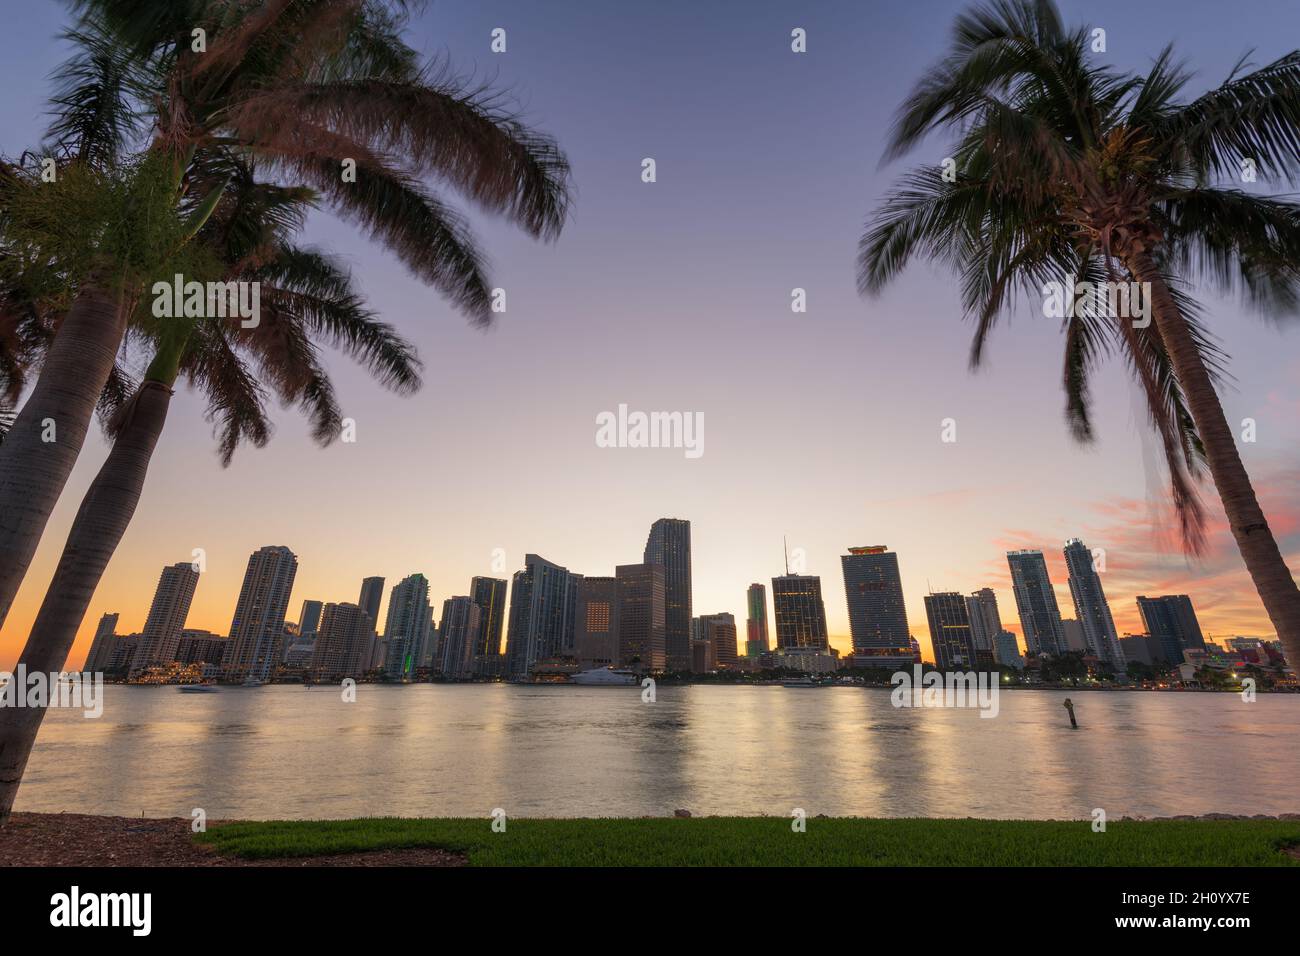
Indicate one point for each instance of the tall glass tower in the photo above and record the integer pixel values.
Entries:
(1040, 618)
(756, 626)
(1172, 624)
(669, 544)
(490, 595)
(950, 632)
(873, 589)
(800, 613)
(1090, 605)
(407, 629)
(543, 601)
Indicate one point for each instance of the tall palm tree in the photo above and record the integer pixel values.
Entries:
(299, 86)
(1067, 168)
(306, 298)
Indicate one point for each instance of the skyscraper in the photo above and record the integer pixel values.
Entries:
(1171, 622)
(257, 629)
(407, 629)
(100, 655)
(167, 613)
(309, 618)
(756, 624)
(200, 647)
(873, 589)
(1008, 650)
(596, 622)
(669, 544)
(1072, 631)
(458, 636)
(950, 631)
(1090, 606)
(343, 643)
(490, 595)
(720, 633)
(1040, 618)
(372, 593)
(642, 616)
(985, 619)
(542, 604)
(800, 613)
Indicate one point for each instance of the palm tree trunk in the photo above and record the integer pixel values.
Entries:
(101, 521)
(1272, 578)
(37, 455)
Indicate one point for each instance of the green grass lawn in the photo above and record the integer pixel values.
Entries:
(769, 841)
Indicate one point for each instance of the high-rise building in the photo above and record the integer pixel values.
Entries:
(1171, 622)
(756, 644)
(490, 595)
(642, 616)
(200, 647)
(124, 648)
(543, 599)
(950, 631)
(985, 626)
(257, 629)
(101, 648)
(873, 589)
(458, 636)
(1072, 631)
(1091, 607)
(985, 619)
(720, 634)
(372, 594)
(167, 613)
(1008, 650)
(1137, 648)
(596, 622)
(669, 544)
(703, 660)
(309, 618)
(800, 613)
(1040, 618)
(343, 642)
(406, 631)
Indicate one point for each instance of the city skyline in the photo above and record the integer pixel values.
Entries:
(654, 295)
(501, 590)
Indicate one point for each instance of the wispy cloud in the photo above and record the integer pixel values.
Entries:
(1143, 556)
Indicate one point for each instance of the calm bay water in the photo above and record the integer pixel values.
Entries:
(445, 750)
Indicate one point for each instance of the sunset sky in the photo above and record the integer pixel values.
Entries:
(823, 427)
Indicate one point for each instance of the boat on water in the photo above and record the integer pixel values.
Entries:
(800, 682)
(197, 688)
(606, 677)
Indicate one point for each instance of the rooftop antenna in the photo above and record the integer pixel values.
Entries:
(785, 548)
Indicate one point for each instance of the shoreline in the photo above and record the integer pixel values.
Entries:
(708, 683)
(1215, 839)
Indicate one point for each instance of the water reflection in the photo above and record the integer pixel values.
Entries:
(566, 751)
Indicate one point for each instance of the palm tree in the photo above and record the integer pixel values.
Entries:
(303, 88)
(1065, 168)
(306, 297)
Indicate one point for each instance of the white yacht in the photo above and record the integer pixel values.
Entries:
(804, 681)
(606, 677)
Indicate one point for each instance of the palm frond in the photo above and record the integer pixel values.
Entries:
(319, 293)
(1254, 117)
(465, 135)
